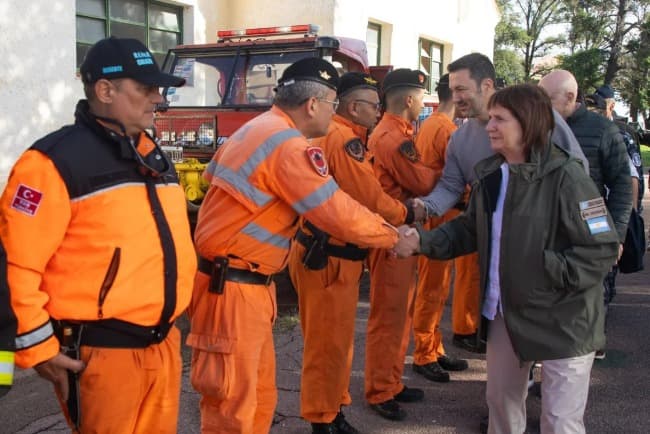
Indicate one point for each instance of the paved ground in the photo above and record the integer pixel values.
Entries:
(618, 401)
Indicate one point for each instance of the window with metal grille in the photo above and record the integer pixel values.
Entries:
(158, 25)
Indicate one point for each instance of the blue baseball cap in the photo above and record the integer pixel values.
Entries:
(113, 58)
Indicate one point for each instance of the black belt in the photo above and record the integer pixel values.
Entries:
(114, 333)
(236, 274)
(349, 251)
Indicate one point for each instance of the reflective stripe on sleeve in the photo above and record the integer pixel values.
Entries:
(239, 178)
(34, 337)
(6, 368)
(263, 236)
(316, 198)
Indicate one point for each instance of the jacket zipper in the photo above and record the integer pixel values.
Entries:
(109, 278)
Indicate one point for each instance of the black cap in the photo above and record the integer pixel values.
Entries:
(114, 57)
(443, 83)
(355, 80)
(596, 100)
(605, 91)
(310, 69)
(404, 77)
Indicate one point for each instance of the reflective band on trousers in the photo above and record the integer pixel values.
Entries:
(35, 336)
(6, 368)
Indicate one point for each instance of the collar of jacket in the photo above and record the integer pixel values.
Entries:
(405, 127)
(84, 116)
(549, 158)
(577, 114)
(359, 130)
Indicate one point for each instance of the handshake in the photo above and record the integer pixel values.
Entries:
(408, 243)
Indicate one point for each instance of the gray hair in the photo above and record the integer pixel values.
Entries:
(295, 94)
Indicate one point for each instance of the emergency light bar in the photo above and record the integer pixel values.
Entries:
(269, 31)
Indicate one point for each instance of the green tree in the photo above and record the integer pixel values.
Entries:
(519, 35)
(508, 37)
(634, 80)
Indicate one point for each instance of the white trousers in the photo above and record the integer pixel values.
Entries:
(565, 387)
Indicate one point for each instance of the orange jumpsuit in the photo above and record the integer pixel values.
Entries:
(262, 179)
(328, 334)
(91, 239)
(434, 277)
(392, 281)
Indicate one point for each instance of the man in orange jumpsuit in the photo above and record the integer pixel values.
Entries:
(434, 277)
(328, 333)
(262, 179)
(402, 175)
(100, 257)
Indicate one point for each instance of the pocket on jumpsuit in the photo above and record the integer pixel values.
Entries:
(213, 367)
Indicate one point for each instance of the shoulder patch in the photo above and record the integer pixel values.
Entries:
(355, 149)
(408, 150)
(590, 209)
(26, 200)
(317, 160)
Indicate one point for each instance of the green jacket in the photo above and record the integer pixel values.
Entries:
(551, 265)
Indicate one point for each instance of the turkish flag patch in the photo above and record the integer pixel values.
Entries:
(26, 200)
(317, 160)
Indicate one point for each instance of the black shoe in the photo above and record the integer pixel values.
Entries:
(343, 426)
(324, 428)
(409, 395)
(468, 343)
(432, 371)
(449, 363)
(483, 424)
(389, 410)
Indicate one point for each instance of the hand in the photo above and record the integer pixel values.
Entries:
(56, 369)
(620, 252)
(419, 210)
(408, 243)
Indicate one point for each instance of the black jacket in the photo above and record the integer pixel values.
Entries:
(608, 163)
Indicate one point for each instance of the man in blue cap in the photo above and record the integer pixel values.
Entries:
(101, 260)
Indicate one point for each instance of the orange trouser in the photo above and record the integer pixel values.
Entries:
(328, 307)
(434, 278)
(465, 316)
(392, 290)
(233, 359)
(126, 390)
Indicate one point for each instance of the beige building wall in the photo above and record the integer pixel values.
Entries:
(39, 86)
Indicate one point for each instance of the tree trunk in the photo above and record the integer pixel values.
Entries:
(617, 43)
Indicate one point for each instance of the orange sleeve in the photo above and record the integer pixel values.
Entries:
(411, 173)
(34, 213)
(355, 176)
(431, 142)
(320, 200)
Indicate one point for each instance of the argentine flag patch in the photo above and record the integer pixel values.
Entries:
(597, 225)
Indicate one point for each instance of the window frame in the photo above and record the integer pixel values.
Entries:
(378, 28)
(431, 62)
(107, 20)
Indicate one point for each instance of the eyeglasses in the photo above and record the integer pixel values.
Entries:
(377, 105)
(335, 103)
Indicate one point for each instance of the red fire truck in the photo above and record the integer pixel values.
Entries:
(232, 81)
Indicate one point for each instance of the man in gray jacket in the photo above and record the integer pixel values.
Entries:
(608, 161)
(472, 81)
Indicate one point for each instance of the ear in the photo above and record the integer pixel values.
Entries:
(571, 96)
(310, 107)
(487, 84)
(104, 90)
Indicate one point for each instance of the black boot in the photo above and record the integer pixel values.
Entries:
(343, 426)
(324, 428)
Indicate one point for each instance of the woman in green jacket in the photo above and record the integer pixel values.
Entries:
(545, 242)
